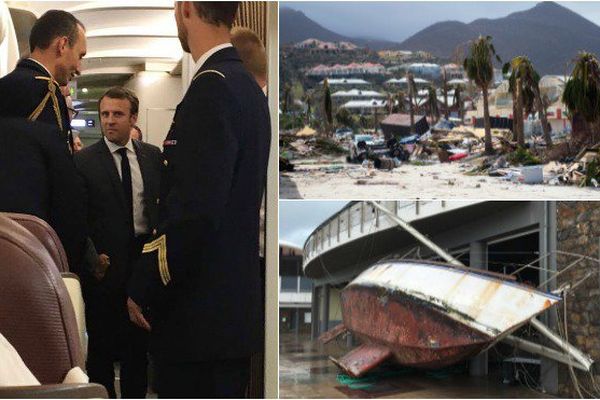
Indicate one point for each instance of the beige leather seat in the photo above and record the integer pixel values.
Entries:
(37, 316)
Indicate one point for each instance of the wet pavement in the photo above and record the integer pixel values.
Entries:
(306, 372)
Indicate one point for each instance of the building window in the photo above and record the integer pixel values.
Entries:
(305, 284)
(289, 283)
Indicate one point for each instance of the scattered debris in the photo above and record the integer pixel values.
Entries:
(366, 182)
(285, 165)
(447, 142)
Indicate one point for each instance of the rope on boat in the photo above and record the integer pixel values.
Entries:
(371, 378)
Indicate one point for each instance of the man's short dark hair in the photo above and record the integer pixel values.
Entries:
(119, 92)
(217, 12)
(52, 24)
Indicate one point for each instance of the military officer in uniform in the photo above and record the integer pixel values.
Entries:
(37, 177)
(198, 286)
(57, 44)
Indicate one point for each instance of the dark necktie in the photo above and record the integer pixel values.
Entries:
(126, 182)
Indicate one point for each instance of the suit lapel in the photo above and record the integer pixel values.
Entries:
(148, 178)
(111, 169)
(143, 162)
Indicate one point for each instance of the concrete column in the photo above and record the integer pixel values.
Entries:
(547, 244)
(478, 365)
(297, 321)
(325, 316)
(314, 313)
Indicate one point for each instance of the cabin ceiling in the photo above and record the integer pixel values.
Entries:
(122, 38)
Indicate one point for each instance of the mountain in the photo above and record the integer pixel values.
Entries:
(295, 27)
(549, 34)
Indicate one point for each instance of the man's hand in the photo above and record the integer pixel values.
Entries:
(101, 266)
(136, 316)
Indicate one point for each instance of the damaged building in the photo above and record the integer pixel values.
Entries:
(553, 238)
(398, 125)
(294, 291)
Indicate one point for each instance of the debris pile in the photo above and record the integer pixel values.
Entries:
(292, 147)
(447, 142)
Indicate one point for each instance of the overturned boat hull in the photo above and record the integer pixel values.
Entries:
(417, 335)
(430, 315)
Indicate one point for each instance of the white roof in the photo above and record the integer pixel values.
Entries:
(552, 80)
(403, 81)
(346, 81)
(424, 65)
(458, 81)
(450, 100)
(357, 92)
(373, 103)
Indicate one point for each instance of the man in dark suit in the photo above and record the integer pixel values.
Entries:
(57, 44)
(122, 181)
(37, 177)
(200, 277)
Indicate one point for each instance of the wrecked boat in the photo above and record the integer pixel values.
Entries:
(429, 315)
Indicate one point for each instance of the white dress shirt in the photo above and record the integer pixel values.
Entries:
(206, 55)
(140, 222)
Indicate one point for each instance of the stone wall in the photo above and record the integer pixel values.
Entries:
(578, 231)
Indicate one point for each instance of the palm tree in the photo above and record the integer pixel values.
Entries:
(516, 128)
(390, 103)
(457, 99)
(307, 101)
(480, 69)
(327, 109)
(344, 118)
(433, 104)
(582, 96)
(524, 83)
(445, 92)
(412, 92)
(518, 116)
(286, 98)
(375, 118)
(401, 97)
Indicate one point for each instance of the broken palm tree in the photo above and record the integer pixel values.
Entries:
(429, 315)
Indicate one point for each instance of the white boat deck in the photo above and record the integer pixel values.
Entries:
(485, 303)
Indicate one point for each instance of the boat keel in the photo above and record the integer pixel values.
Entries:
(332, 334)
(362, 359)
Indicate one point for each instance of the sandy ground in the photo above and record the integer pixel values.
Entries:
(335, 179)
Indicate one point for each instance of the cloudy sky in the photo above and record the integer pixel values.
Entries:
(388, 20)
(297, 219)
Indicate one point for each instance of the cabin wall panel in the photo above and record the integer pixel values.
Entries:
(159, 93)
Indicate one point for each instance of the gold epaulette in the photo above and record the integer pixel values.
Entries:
(160, 245)
(208, 71)
(52, 85)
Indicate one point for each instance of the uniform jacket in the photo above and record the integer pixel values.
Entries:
(107, 218)
(21, 93)
(205, 301)
(38, 177)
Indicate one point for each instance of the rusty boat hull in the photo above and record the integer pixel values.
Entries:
(430, 315)
(416, 334)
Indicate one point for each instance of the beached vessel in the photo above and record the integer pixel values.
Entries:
(430, 315)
